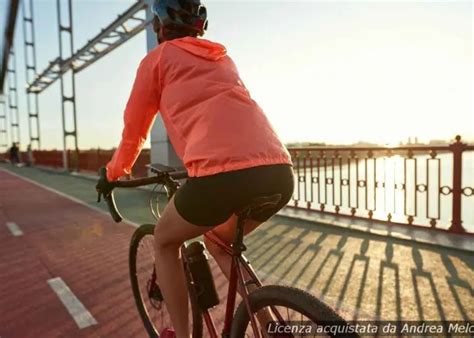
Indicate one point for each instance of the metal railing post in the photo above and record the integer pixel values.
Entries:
(457, 148)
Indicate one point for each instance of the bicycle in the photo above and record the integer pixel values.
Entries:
(271, 298)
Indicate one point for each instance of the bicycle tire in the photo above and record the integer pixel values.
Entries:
(293, 298)
(140, 232)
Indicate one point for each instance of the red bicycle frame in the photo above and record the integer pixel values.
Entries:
(236, 279)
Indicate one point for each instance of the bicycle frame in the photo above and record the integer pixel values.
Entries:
(239, 264)
(237, 279)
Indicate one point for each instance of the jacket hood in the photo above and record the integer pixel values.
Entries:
(201, 47)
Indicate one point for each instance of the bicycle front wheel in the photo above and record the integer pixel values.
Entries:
(287, 306)
(146, 292)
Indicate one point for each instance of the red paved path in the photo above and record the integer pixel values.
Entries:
(64, 239)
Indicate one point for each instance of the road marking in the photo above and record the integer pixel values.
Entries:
(127, 221)
(76, 309)
(14, 229)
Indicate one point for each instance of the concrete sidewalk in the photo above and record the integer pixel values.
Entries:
(364, 275)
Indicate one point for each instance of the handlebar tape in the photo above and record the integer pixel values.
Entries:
(113, 207)
(109, 198)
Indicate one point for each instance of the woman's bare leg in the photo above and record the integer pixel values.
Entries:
(171, 232)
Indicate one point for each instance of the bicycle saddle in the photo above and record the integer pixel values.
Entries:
(259, 204)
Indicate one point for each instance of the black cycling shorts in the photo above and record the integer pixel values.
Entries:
(211, 200)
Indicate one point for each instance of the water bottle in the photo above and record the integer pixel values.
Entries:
(198, 264)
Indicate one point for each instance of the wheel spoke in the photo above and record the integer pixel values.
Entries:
(145, 266)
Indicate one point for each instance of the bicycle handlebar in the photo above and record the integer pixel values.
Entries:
(165, 178)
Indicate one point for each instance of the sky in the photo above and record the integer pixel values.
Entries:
(336, 72)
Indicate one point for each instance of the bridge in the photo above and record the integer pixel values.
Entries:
(61, 232)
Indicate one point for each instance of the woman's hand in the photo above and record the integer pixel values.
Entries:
(103, 186)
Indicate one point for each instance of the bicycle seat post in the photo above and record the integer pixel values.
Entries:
(256, 206)
(238, 246)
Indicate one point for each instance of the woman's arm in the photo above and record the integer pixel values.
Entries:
(139, 115)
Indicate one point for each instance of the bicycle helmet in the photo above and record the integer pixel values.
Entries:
(181, 14)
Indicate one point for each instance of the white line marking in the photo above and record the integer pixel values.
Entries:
(14, 229)
(133, 224)
(76, 309)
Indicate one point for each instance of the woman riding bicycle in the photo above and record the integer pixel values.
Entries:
(227, 145)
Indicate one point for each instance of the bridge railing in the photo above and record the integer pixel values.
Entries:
(86, 160)
(426, 186)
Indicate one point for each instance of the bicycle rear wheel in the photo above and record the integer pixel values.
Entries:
(294, 306)
(148, 299)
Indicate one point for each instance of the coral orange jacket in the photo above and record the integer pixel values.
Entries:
(211, 120)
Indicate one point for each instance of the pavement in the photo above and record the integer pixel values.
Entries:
(53, 233)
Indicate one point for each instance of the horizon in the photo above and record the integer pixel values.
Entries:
(360, 143)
